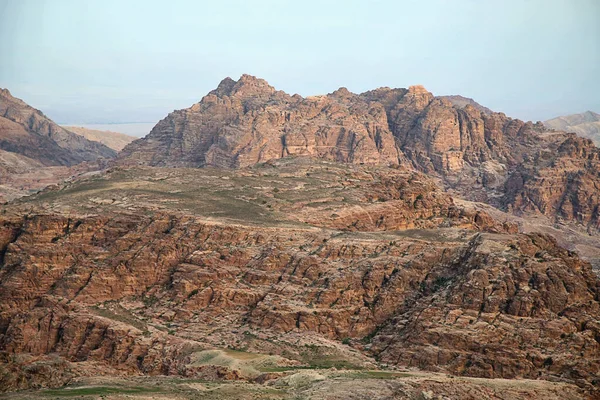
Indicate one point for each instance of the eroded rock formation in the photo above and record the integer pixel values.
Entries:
(142, 291)
(482, 155)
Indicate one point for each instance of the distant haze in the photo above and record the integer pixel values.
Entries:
(101, 61)
(138, 129)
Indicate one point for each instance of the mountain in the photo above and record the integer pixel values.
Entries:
(389, 244)
(114, 140)
(35, 152)
(487, 157)
(248, 121)
(28, 132)
(586, 125)
(275, 273)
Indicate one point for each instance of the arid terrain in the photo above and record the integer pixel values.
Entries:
(35, 152)
(389, 244)
(586, 125)
(113, 140)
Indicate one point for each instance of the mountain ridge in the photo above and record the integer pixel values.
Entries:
(586, 124)
(114, 140)
(486, 157)
(27, 131)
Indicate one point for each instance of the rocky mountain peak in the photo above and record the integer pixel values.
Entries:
(418, 95)
(5, 92)
(417, 90)
(251, 86)
(342, 93)
(246, 87)
(225, 87)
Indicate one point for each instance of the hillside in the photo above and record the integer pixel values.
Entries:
(586, 125)
(28, 132)
(281, 271)
(35, 152)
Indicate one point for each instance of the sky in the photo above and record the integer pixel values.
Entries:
(118, 61)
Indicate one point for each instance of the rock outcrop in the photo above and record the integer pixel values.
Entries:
(561, 180)
(505, 162)
(245, 122)
(510, 307)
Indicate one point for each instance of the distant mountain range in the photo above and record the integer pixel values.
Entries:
(114, 140)
(586, 124)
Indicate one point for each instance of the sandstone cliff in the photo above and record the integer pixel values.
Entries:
(248, 121)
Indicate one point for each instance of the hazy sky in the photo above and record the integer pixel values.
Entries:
(135, 61)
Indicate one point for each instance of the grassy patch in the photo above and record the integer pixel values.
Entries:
(97, 391)
(121, 315)
(376, 375)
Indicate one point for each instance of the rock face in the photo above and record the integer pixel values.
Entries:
(536, 316)
(484, 156)
(28, 132)
(507, 163)
(96, 274)
(586, 125)
(114, 140)
(505, 307)
(561, 180)
(245, 122)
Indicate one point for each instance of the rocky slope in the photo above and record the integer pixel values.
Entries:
(35, 152)
(502, 295)
(504, 162)
(114, 140)
(586, 125)
(480, 155)
(462, 102)
(152, 271)
(28, 132)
